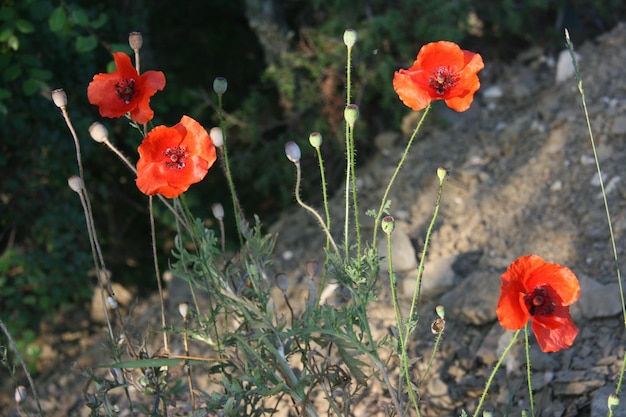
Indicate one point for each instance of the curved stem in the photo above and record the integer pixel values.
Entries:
(311, 209)
(158, 274)
(493, 373)
(383, 203)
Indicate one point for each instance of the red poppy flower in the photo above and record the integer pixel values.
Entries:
(173, 158)
(442, 71)
(124, 91)
(542, 292)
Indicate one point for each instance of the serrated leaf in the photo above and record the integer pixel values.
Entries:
(58, 19)
(24, 26)
(86, 44)
(149, 363)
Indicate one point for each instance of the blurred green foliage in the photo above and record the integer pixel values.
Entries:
(44, 251)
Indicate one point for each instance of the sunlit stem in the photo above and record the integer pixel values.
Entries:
(528, 372)
(91, 230)
(355, 203)
(130, 166)
(383, 202)
(189, 378)
(166, 346)
(493, 373)
(349, 156)
(326, 211)
(229, 178)
(404, 357)
(23, 364)
(432, 357)
(581, 91)
(311, 209)
(420, 268)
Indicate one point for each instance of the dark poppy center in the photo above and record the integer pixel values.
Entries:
(125, 90)
(442, 80)
(539, 302)
(175, 157)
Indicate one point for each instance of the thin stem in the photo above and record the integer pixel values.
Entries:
(581, 91)
(166, 346)
(432, 357)
(23, 364)
(189, 378)
(311, 209)
(528, 372)
(229, 178)
(404, 358)
(383, 202)
(349, 155)
(493, 373)
(130, 166)
(355, 203)
(326, 211)
(420, 268)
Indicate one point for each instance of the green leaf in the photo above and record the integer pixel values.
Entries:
(7, 13)
(12, 73)
(4, 94)
(86, 44)
(5, 34)
(30, 86)
(24, 26)
(13, 42)
(58, 19)
(80, 18)
(40, 74)
(102, 20)
(149, 363)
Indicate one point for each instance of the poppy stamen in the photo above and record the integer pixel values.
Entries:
(443, 79)
(539, 302)
(125, 90)
(175, 157)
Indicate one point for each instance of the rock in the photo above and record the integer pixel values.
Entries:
(564, 66)
(599, 405)
(404, 258)
(123, 296)
(384, 141)
(474, 300)
(438, 277)
(619, 125)
(597, 300)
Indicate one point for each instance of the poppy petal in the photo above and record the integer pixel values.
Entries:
(561, 279)
(413, 96)
(554, 335)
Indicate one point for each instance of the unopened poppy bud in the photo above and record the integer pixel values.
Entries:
(59, 98)
(135, 40)
(613, 401)
(217, 136)
(442, 173)
(441, 311)
(388, 224)
(351, 114)
(487, 413)
(98, 132)
(75, 183)
(312, 267)
(282, 282)
(220, 85)
(292, 150)
(183, 309)
(315, 139)
(349, 37)
(20, 394)
(438, 326)
(524, 413)
(218, 211)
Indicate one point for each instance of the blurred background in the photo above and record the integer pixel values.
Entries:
(285, 66)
